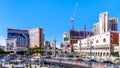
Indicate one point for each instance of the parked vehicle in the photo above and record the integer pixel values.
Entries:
(91, 60)
(33, 59)
(78, 59)
(107, 62)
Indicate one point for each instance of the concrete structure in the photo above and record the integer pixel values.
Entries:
(11, 45)
(65, 39)
(54, 48)
(65, 43)
(102, 44)
(113, 24)
(105, 24)
(72, 38)
(32, 38)
(117, 48)
(21, 36)
(103, 19)
(96, 28)
(76, 35)
(36, 37)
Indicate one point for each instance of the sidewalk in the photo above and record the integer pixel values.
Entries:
(37, 66)
(33, 66)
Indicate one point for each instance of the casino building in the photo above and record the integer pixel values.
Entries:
(104, 40)
(30, 38)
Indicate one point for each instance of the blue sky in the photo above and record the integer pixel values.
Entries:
(52, 15)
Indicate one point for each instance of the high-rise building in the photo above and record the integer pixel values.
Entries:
(105, 39)
(72, 37)
(113, 24)
(105, 24)
(22, 36)
(96, 28)
(32, 38)
(36, 37)
(76, 35)
(103, 20)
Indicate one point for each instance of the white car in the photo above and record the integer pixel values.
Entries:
(19, 60)
(33, 59)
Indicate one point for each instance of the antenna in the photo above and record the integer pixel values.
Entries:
(74, 14)
(84, 26)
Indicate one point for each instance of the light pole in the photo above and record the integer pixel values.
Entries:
(90, 47)
(61, 57)
(80, 47)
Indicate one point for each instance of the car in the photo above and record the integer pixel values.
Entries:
(78, 59)
(70, 59)
(48, 57)
(33, 59)
(91, 60)
(19, 60)
(107, 62)
(41, 61)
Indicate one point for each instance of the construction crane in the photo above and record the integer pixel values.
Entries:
(74, 14)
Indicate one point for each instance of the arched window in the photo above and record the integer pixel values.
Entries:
(104, 40)
(96, 41)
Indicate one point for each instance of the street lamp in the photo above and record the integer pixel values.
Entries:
(80, 46)
(89, 44)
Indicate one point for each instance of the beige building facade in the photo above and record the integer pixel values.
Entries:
(36, 37)
(102, 44)
(105, 24)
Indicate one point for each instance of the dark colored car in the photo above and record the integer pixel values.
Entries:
(92, 60)
(42, 61)
(107, 62)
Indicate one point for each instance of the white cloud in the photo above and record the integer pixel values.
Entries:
(2, 41)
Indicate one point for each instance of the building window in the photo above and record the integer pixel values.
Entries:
(104, 40)
(87, 43)
(81, 44)
(84, 43)
(96, 41)
(111, 40)
(91, 42)
(81, 33)
(7, 44)
(12, 44)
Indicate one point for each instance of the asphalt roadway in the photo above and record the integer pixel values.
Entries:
(63, 65)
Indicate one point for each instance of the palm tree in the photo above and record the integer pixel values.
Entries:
(30, 50)
(38, 50)
(1, 51)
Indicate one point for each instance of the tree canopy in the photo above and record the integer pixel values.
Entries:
(1, 51)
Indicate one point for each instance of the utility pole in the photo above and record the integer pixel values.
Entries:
(89, 44)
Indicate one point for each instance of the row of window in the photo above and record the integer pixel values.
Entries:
(10, 43)
(9, 48)
(104, 40)
(96, 48)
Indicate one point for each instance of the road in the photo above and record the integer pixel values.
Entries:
(72, 64)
